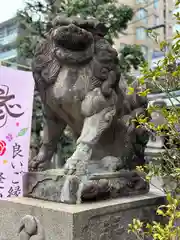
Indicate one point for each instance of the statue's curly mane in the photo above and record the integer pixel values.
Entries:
(76, 71)
(50, 52)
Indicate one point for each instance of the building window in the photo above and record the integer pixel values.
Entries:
(1, 36)
(141, 33)
(156, 4)
(122, 45)
(141, 1)
(144, 50)
(11, 30)
(176, 27)
(142, 14)
(157, 54)
(156, 20)
(8, 54)
(1, 33)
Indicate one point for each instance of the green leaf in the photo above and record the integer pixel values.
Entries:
(131, 90)
(177, 3)
(144, 93)
(160, 212)
(22, 132)
(169, 198)
(178, 215)
(163, 44)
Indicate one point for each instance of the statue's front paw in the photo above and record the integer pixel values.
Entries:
(70, 167)
(38, 163)
(75, 167)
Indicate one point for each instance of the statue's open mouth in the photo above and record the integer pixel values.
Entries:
(72, 37)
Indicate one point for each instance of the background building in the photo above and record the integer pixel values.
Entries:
(176, 26)
(9, 31)
(148, 14)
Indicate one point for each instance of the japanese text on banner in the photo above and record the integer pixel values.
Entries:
(16, 98)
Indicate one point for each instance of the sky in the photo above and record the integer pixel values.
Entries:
(8, 8)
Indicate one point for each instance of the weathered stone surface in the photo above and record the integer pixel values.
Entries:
(76, 71)
(77, 74)
(31, 229)
(105, 220)
(55, 186)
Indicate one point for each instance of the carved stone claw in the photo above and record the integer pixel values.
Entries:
(38, 163)
(70, 167)
(75, 167)
(77, 164)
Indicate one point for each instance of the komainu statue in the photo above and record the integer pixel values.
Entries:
(76, 71)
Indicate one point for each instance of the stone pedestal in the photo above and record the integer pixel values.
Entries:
(104, 220)
(53, 185)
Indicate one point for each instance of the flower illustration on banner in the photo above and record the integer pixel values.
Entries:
(2, 147)
(22, 132)
(17, 124)
(9, 137)
(5, 161)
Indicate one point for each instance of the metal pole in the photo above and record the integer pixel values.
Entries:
(165, 20)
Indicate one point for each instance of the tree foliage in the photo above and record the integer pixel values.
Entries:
(165, 77)
(37, 16)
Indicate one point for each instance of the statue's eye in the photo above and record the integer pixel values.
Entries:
(104, 70)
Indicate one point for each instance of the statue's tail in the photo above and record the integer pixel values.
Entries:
(31, 229)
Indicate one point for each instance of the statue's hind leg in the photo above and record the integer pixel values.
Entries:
(92, 130)
(53, 128)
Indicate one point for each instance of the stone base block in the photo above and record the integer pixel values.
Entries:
(105, 220)
(54, 186)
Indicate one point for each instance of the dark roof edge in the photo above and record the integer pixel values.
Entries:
(7, 22)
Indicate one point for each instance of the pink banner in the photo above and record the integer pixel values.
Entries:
(16, 98)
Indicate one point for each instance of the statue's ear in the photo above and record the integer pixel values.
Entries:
(94, 26)
(101, 29)
(61, 20)
(49, 26)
